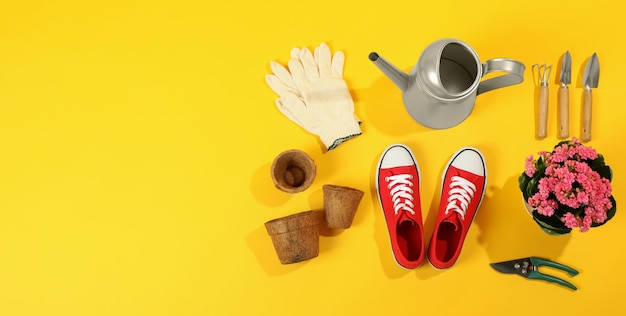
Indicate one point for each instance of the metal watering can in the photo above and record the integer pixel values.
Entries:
(441, 89)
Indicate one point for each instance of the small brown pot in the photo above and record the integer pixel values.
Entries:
(293, 171)
(295, 237)
(340, 205)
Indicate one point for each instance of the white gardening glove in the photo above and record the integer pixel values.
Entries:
(313, 94)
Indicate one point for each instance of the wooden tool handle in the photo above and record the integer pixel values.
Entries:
(563, 112)
(586, 123)
(542, 118)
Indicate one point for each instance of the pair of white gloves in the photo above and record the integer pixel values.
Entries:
(313, 94)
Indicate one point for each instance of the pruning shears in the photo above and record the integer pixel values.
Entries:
(529, 268)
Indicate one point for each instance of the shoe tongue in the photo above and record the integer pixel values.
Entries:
(404, 218)
(453, 218)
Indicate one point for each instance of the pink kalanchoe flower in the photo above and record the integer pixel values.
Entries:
(561, 153)
(586, 224)
(530, 167)
(570, 220)
(569, 181)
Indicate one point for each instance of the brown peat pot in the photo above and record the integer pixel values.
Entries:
(295, 237)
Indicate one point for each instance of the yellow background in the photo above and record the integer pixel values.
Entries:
(136, 139)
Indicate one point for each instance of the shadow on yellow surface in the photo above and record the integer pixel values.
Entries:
(259, 242)
(260, 181)
(507, 231)
(380, 108)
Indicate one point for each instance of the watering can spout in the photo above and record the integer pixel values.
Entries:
(397, 76)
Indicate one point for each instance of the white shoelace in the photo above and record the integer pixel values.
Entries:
(401, 192)
(461, 191)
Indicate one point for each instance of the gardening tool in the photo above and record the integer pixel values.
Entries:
(563, 102)
(591, 75)
(543, 74)
(441, 89)
(529, 268)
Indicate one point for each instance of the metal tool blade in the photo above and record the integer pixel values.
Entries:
(508, 267)
(502, 267)
(591, 74)
(566, 69)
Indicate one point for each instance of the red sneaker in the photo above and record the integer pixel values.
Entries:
(462, 191)
(397, 183)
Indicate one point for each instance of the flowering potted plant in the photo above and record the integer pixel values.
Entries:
(569, 187)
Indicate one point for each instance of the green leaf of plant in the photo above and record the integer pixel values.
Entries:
(552, 230)
(605, 172)
(523, 183)
(564, 209)
(532, 188)
(551, 222)
(598, 162)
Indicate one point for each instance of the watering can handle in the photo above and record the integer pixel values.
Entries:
(514, 69)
